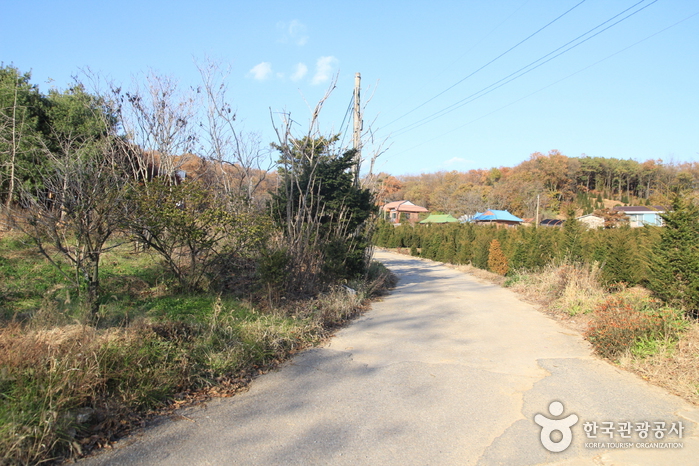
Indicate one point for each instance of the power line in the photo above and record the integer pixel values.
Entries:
(554, 83)
(489, 63)
(483, 38)
(525, 69)
(347, 112)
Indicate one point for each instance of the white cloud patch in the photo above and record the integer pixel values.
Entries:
(299, 72)
(261, 71)
(294, 32)
(324, 69)
(456, 161)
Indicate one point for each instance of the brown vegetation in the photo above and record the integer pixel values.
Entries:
(558, 180)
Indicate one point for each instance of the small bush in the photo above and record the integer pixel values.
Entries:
(619, 324)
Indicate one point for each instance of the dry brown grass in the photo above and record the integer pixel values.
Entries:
(48, 374)
(674, 366)
(567, 288)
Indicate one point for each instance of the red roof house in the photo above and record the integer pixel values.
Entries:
(397, 210)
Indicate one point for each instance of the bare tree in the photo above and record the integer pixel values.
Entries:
(80, 209)
(160, 119)
(241, 164)
(13, 143)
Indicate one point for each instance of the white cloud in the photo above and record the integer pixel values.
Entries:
(456, 161)
(299, 72)
(294, 32)
(324, 69)
(261, 71)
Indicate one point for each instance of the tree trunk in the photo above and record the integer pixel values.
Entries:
(13, 154)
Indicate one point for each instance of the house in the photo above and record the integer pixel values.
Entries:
(434, 218)
(397, 210)
(643, 215)
(497, 217)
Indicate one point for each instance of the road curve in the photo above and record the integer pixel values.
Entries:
(446, 370)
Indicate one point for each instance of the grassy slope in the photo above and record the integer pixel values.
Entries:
(66, 387)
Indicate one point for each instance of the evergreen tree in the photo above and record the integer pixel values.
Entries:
(481, 245)
(675, 265)
(573, 231)
(23, 124)
(521, 246)
(322, 209)
(622, 262)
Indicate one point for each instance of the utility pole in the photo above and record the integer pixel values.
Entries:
(536, 225)
(357, 135)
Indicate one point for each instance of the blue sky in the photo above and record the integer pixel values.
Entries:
(632, 91)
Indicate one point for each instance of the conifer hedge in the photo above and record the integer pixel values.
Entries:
(625, 254)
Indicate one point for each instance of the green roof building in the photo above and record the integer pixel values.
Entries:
(433, 218)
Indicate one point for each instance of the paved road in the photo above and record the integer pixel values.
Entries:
(446, 370)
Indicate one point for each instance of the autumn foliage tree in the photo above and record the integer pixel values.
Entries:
(497, 262)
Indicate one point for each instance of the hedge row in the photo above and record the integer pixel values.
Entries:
(623, 253)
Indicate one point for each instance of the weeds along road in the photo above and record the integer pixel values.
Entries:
(446, 370)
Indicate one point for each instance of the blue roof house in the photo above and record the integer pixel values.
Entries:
(497, 217)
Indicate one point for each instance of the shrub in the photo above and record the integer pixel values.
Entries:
(619, 323)
(497, 262)
(273, 272)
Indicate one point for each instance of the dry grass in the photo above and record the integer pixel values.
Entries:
(573, 294)
(46, 376)
(673, 366)
(567, 288)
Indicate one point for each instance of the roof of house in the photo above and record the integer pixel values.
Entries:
(434, 218)
(552, 222)
(641, 209)
(403, 206)
(493, 215)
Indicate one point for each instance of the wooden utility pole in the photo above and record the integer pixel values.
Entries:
(357, 135)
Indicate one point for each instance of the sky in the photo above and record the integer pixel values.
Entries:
(446, 85)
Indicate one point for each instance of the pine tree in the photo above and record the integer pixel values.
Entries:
(675, 266)
(622, 263)
(481, 242)
(573, 231)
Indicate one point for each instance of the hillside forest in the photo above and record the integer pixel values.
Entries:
(559, 181)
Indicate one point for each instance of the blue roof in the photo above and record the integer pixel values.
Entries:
(492, 215)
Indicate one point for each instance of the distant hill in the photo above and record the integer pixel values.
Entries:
(558, 181)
